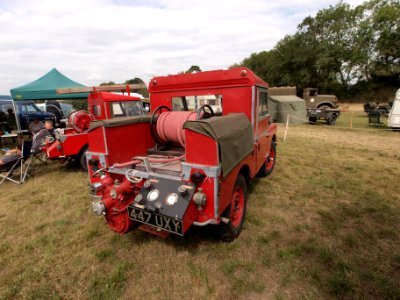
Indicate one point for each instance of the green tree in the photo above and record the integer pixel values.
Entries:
(144, 91)
(331, 35)
(107, 83)
(193, 69)
(386, 28)
(338, 50)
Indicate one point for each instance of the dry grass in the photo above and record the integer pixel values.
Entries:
(324, 225)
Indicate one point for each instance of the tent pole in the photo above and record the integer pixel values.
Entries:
(16, 117)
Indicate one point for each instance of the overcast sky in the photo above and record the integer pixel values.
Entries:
(92, 41)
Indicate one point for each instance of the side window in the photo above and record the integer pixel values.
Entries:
(117, 110)
(23, 109)
(30, 108)
(262, 103)
(126, 108)
(177, 104)
(193, 103)
(96, 109)
(133, 108)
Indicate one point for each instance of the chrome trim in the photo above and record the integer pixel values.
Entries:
(211, 221)
(216, 198)
(210, 171)
(144, 175)
(213, 172)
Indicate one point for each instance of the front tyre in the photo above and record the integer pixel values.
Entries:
(269, 164)
(236, 212)
(331, 120)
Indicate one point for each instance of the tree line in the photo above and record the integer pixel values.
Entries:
(352, 52)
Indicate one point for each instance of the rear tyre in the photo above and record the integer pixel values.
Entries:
(236, 212)
(82, 158)
(269, 164)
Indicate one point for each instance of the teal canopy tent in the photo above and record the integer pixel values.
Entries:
(45, 87)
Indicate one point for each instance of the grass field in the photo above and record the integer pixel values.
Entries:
(325, 224)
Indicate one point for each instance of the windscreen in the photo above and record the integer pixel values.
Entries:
(192, 103)
(126, 108)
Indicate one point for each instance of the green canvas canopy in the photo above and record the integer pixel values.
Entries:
(45, 87)
(280, 106)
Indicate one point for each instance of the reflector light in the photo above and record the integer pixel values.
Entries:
(171, 199)
(153, 195)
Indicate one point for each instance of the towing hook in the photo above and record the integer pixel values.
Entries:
(98, 208)
(199, 198)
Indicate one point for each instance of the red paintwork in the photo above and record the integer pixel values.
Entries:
(240, 89)
(195, 145)
(117, 218)
(125, 140)
(71, 146)
(97, 143)
(73, 141)
(209, 79)
(237, 205)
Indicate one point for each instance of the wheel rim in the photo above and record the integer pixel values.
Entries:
(237, 205)
(270, 158)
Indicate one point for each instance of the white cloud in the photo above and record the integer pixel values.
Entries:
(95, 41)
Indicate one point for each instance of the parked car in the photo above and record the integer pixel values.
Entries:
(26, 111)
(59, 109)
(382, 108)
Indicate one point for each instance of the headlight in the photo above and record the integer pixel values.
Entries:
(153, 195)
(171, 199)
(312, 100)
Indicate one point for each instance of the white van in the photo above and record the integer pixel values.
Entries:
(394, 114)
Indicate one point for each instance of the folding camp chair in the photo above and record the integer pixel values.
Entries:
(38, 141)
(22, 163)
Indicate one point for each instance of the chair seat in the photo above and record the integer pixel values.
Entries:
(22, 164)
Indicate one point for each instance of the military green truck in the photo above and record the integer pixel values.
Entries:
(316, 106)
(321, 106)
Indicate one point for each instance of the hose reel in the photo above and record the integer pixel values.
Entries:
(168, 126)
(80, 120)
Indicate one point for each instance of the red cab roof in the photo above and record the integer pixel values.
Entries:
(218, 78)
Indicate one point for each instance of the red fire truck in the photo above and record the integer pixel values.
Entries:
(72, 142)
(188, 163)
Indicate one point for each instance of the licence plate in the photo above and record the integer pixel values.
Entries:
(156, 220)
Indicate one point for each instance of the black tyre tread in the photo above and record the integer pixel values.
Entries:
(82, 158)
(263, 172)
(227, 232)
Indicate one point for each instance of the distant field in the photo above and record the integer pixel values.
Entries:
(326, 224)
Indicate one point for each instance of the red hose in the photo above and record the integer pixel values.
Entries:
(153, 160)
(170, 126)
(169, 129)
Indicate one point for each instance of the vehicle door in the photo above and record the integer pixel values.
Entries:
(23, 114)
(263, 119)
